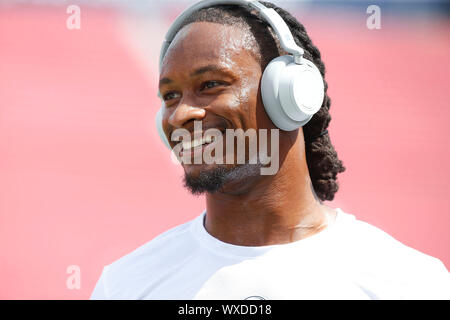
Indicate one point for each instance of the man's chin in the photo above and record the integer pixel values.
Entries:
(200, 179)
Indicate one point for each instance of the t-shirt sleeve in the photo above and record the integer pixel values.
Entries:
(100, 291)
(441, 281)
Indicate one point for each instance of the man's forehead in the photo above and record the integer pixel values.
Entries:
(205, 43)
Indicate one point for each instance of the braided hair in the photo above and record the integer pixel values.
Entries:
(322, 159)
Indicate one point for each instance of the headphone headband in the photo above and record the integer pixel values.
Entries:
(270, 15)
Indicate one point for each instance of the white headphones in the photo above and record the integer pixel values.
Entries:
(292, 87)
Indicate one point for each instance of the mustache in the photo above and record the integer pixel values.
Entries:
(200, 126)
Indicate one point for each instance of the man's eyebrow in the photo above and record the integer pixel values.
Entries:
(211, 68)
(164, 81)
(208, 68)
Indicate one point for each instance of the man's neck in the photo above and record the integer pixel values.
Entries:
(269, 209)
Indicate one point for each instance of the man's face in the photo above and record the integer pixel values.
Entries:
(210, 74)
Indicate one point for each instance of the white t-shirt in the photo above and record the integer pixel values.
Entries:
(349, 259)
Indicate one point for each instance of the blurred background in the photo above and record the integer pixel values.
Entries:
(84, 178)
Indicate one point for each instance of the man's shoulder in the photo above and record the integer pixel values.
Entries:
(375, 255)
(166, 240)
(153, 257)
(372, 240)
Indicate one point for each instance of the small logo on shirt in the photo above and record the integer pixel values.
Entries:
(254, 298)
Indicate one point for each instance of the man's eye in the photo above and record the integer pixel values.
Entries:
(210, 84)
(169, 96)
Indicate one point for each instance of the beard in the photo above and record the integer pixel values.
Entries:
(215, 179)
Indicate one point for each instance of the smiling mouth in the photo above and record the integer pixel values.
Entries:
(199, 143)
(188, 145)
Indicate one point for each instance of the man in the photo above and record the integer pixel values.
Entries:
(261, 236)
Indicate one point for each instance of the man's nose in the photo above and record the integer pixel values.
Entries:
(184, 112)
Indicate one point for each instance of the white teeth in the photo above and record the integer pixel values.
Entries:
(192, 144)
(197, 142)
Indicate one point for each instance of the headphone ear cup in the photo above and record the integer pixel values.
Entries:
(159, 128)
(292, 93)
